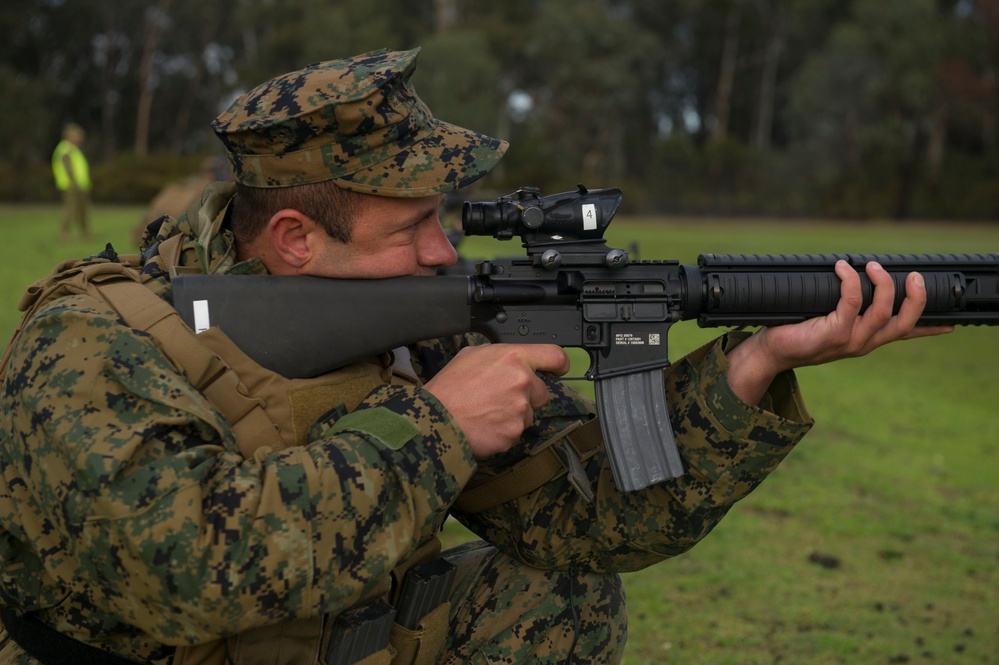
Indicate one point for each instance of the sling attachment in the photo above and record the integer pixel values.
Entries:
(578, 443)
(50, 647)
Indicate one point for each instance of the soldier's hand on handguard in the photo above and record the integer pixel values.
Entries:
(492, 391)
(844, 333)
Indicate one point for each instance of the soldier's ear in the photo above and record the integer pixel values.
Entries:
(292, 235)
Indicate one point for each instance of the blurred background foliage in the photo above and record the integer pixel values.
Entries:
(780, 108)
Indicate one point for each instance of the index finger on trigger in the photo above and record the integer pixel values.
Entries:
(547, 358)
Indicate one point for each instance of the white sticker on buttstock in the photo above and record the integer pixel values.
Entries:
(201, 319)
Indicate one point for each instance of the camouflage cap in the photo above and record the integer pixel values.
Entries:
(356, 121)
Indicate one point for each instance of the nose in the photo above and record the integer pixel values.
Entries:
(435, 250)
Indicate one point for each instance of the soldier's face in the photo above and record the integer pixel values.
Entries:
(392, 237)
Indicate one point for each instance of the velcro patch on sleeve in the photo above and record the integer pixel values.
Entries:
(389, 428)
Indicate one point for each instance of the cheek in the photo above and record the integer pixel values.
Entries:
(394, 262)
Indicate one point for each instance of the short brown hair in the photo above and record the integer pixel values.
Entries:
(330, 206)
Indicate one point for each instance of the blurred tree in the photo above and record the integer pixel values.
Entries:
(281, 37)
(459, 80)
(204, 61)
(23, 127)
(968, 76)
(775, 14)
(726, 71)
(591, 78)
(155, 21)
(857, 107)
(112, 52)
(50, 44)
(862, 105)
(800, 27)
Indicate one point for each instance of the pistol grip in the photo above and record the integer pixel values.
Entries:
(636, 429)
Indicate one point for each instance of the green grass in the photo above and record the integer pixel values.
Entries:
(896, 488)
(31, 247)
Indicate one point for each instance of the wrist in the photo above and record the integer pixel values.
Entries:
(751, 368)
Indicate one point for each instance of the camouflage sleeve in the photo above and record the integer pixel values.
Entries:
(124, 487)
(728, 446)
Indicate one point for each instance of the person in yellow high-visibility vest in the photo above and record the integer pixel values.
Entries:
(72, 178)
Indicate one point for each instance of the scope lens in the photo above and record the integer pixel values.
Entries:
(481, 218)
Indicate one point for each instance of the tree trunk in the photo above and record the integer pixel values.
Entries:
(108, 104)
(181, 125)
(989, 111)
(152, 29)
(110, 58)
(445, 15)
(937, 144)
(908, 172)
(726, 77)
(764, 118)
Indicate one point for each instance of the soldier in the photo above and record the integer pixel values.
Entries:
(72, 179)
(167, 500)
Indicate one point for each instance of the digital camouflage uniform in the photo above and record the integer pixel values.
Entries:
(130, 521)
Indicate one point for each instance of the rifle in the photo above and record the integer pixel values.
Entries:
(573, 290)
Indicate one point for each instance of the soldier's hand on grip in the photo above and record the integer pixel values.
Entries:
(492, 391)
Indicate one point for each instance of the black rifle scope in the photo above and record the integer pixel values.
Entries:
(578, 215)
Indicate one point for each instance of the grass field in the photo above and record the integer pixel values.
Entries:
(877, 541)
